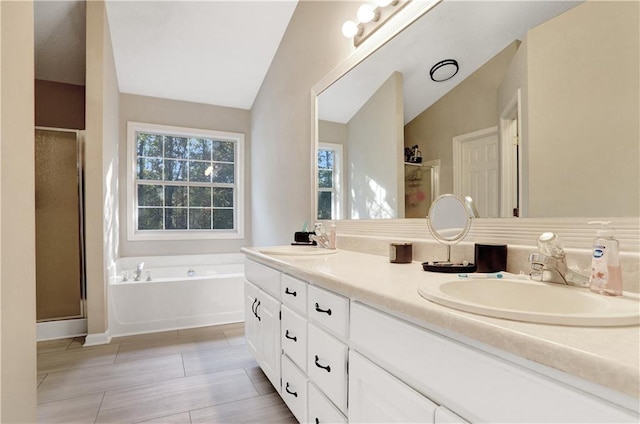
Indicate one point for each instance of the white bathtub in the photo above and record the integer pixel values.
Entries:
(173, 299)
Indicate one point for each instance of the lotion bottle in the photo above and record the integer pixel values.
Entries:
(606, 274)
(332, 236)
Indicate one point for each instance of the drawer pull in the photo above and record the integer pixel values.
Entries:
(256, 312)
(327, 368)
(292, 293)
(317, 420)
(326, 311)
(294, 394)
(294, 338)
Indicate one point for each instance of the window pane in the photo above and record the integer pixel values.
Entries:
(175, 170)
(199, 148)
(223, 219)
(200, 219)
(175, 196)
(149, 145)
(325, 178)
(200, 196)
(223, 173)
(150, 195)
(150, 219)
(149, 169)
(200, 171)
(223, 197)
(325, 159)
(224, 151)
(175, 218)
(324, 205)
(175, 147)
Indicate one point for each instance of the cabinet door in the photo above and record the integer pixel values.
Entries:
(375, 396)
(294, 389)
(321, 410)
(268, 313)
(327, 365)
(250, 319)
(294, 337)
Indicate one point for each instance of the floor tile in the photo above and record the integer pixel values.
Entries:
(259, 380)
(144, 349)
(77, 382)
(40, 378)
(77, 343)
(183, 418)
(77, 358)
(215, 360)
(83, 409)
(261, 409)
(210, 328)
(53, 345)
(174, 396)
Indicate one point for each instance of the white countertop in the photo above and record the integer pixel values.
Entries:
(607, 356)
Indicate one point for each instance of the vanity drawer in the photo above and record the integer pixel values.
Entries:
(294, 336)
(330, 310)
(294, 389)
(293, 293)
(321, 410)
(262, 276)
(327, 365)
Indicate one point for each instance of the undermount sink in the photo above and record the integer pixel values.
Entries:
(297, 250)
(524, 300)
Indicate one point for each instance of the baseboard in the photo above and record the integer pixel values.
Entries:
(97, 339)
(52, 330)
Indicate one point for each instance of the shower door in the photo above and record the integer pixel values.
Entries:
(59, 281)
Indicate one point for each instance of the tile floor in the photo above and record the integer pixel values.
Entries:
(200, 375)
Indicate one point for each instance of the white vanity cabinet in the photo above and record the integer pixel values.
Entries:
(476, 385)
(262, 318)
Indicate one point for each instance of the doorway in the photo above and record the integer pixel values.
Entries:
(476, 170)
(60, 289)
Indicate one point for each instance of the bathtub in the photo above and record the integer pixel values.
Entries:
(184, 291)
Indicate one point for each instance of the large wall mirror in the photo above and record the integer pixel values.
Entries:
(540, 120)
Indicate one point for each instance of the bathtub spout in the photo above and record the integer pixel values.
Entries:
(137, 274)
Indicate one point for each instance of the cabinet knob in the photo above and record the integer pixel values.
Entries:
(294, 394)
(327, 368)
(324, 311)
(292, 293)
(294, 338)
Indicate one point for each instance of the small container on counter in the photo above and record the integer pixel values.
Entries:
(400, 253)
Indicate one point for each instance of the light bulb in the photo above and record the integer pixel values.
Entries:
(350, 29)
(366, 13)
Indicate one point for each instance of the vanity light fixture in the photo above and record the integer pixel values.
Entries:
(444, 70)
(370, 17)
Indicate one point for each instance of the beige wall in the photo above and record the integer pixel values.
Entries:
(17, 215)
(583, 69)
(375, 172)
(59, 105)
(281, 158)
(183, 114)
(471, 106)
(101, 164)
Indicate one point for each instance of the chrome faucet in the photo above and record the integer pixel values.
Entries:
(549, 263)
(137, 274)
(321, 237)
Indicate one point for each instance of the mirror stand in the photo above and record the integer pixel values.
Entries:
(449, 221)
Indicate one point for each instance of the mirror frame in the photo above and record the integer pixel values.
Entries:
(522, 231)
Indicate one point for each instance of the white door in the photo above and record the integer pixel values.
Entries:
(268, 312)
(250, 319)
(477, 170)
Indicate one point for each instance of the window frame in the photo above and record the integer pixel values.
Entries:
(133, 234)
(337, 200)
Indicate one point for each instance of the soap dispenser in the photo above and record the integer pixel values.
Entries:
(606, 273)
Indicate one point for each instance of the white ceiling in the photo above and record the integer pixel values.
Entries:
(213, 52)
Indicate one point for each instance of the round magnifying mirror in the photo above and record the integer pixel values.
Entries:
(449, 221)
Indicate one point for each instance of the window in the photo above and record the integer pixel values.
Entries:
(184, 183)
(329, 181)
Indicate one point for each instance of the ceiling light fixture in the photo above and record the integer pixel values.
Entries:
(370, 17)
(444, 70)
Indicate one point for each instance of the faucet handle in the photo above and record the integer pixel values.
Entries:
(319, 228)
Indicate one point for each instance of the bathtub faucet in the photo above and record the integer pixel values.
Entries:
(138, 272)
